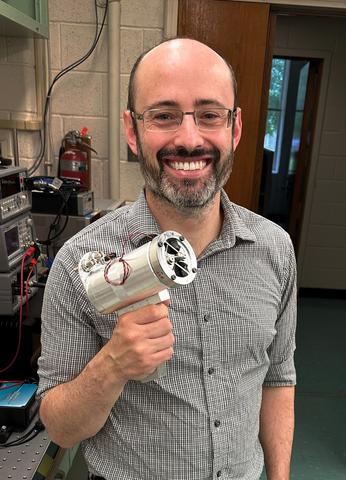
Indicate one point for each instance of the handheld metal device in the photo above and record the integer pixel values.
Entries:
(140, 277)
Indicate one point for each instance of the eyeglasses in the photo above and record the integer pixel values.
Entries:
(170, 119)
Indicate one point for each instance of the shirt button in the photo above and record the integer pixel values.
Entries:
(211, 370)
(218, 474)
(206, 317)
(217, 423)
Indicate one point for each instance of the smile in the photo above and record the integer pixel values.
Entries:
(199, 165)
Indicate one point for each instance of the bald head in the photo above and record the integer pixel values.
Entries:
(178, 54)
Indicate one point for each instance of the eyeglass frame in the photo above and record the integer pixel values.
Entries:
(231, 115)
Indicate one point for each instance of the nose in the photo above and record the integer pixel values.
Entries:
(188, 134)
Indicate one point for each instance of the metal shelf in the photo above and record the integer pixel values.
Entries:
(23, 18)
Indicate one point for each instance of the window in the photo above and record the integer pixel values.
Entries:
(284, 120)
(276, 104)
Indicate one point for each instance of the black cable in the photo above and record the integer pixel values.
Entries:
(64, 207)
(50, 239)
(63, 72)
(29, 435)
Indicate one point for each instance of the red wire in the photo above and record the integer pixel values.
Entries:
(126, 271)
(27, 288)
(14, 383)
(126, 266)
(30, 251)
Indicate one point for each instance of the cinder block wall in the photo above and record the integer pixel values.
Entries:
(18, 95)
(81, 97)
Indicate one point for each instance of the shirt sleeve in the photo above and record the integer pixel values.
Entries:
(68, 339)
(281, 371)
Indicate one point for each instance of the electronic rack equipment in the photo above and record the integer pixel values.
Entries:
(14, 198)
(17, 235)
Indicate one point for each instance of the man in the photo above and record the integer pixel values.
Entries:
(228, 336)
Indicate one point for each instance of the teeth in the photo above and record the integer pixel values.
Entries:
(189, 165)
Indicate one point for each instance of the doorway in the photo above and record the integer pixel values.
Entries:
(291, 112)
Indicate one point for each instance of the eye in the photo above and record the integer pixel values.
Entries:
(164, 116)
(210, 115)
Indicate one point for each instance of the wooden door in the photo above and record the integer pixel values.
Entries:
(242, 33)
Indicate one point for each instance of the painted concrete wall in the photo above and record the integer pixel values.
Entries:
(18, 94)
(80, 98)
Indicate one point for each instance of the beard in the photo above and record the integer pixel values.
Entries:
(184, 194)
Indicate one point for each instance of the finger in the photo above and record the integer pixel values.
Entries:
(163, 355)
(147, 314)
(157, 329)
(155, 345)
(156, 360)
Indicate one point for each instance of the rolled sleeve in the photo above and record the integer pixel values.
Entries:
(281, 371)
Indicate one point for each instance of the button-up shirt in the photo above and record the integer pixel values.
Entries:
(234, 328)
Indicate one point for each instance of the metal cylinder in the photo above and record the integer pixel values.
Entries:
(166, 261)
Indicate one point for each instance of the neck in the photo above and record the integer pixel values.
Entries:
(200, 228)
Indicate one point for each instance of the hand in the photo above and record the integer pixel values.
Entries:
(141, 341)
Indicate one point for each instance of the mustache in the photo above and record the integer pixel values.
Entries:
(184, 153)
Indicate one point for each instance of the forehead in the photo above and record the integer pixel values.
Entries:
(185, 73)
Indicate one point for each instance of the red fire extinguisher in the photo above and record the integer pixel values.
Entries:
(74, 159)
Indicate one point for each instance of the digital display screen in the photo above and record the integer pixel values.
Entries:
(12, 240)
(9, 185)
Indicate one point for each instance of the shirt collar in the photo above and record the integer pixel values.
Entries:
(141, 223)
(233, 225)
(143, 226)
(233, 229)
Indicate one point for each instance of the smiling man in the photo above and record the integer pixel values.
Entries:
(182, 135)
(225, 406)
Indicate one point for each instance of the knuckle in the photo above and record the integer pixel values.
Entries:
(138, 350)
(160, 310)
(169, 353)
(166, 324)
(125, 318)
(131, 337)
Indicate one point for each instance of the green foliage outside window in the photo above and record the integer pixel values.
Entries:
(275, 94)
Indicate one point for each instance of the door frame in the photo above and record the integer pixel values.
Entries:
(305, 149)
(325, 56)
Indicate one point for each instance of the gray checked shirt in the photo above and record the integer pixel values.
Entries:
(234, 327)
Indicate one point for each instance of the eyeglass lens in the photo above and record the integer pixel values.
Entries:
(171, 119)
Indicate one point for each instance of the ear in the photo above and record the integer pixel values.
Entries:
(237, 128)
(130, 131)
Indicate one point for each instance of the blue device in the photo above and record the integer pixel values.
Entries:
(18, 404)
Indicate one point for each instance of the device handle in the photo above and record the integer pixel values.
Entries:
(159, 297)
